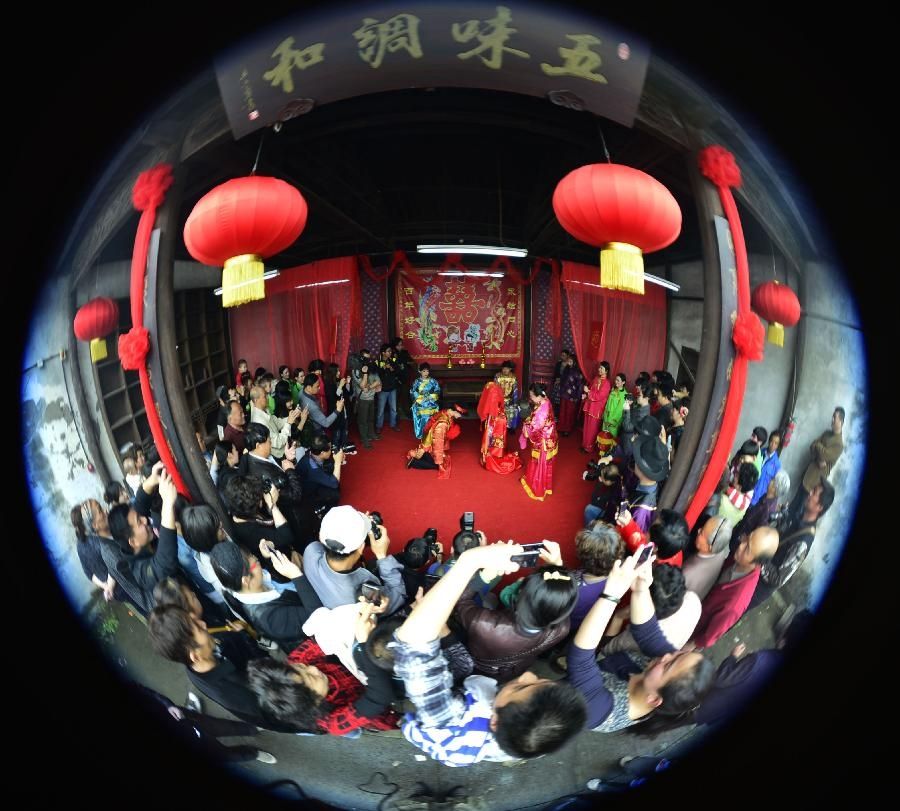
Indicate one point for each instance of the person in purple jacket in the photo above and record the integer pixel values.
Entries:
(618, 692)
(597, 548)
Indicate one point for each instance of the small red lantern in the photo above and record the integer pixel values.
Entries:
(238, 224)
(93, 321)
(621, 210)
(778, 305)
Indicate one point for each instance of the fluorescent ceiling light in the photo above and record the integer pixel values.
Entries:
(662, 282)
(269, 274)
(485, 250)
(647, 277)
(469, 273)
(322, 284)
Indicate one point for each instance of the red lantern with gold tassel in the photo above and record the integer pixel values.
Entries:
(621, 210)
(94, 321)
(778, 305)
(238, 224)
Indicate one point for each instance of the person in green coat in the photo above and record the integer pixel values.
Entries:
(612, 415)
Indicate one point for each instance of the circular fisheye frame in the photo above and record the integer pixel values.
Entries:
(480, 188)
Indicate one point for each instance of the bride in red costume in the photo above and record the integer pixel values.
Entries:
(433, 452)
(492, 413)
(540, 430)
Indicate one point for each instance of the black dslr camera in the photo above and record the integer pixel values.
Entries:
(377, 522)
(594, 469)
(431, 536)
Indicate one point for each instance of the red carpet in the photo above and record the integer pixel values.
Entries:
(410, 501)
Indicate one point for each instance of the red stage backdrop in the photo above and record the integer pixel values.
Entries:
(308, 312)
(460, 314)
(625, 329)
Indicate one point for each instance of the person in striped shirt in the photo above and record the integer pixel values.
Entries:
(526, 717)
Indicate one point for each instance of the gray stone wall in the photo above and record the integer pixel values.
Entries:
(834, 372)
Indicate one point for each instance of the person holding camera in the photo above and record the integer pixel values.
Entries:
(311, 693)
(337, 389)
(366, 385)
(527, 717)
(150, 561)
(279, 428)
(387, 397)
(312, 388)
(278, 615)
(534, 617)
(320, 474)
(467, 538)
(627, 688)
(608, 491)
(332, 562)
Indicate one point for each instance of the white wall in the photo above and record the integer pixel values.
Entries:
(55, 461)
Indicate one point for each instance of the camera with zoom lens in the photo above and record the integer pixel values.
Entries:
(377, 522)
(594, 469)
(431, 536)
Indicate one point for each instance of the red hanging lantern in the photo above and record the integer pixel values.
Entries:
(778, 305)
(93, 321)
(238, 224)
(624, 212)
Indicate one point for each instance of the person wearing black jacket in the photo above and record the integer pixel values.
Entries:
(198, 730)
(403, 363)
(387, 397)
(259, 462)
(180, 636)
(139, 572)
(256, 516)
(277, 615)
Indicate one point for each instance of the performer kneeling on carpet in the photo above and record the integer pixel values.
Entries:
(433, 452)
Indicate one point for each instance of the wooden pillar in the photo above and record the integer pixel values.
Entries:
(707, 395)
(165, 371)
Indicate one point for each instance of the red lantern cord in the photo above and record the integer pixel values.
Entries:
(748, 335)
(148, 193)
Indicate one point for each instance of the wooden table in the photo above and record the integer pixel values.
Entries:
(463, 384)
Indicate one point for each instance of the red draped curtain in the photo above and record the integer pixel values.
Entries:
(309, 312)
(625, 329)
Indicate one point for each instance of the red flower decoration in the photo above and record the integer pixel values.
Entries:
(719, 165)
(749, 336)
(151, 186)
(133, 348)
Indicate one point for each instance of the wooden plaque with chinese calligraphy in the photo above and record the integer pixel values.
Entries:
(465, 316)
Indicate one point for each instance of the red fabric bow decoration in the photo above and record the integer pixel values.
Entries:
(748, 334)
(147, 195)
(134, 347)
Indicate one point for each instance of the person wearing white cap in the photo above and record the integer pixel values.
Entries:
(332, 562)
